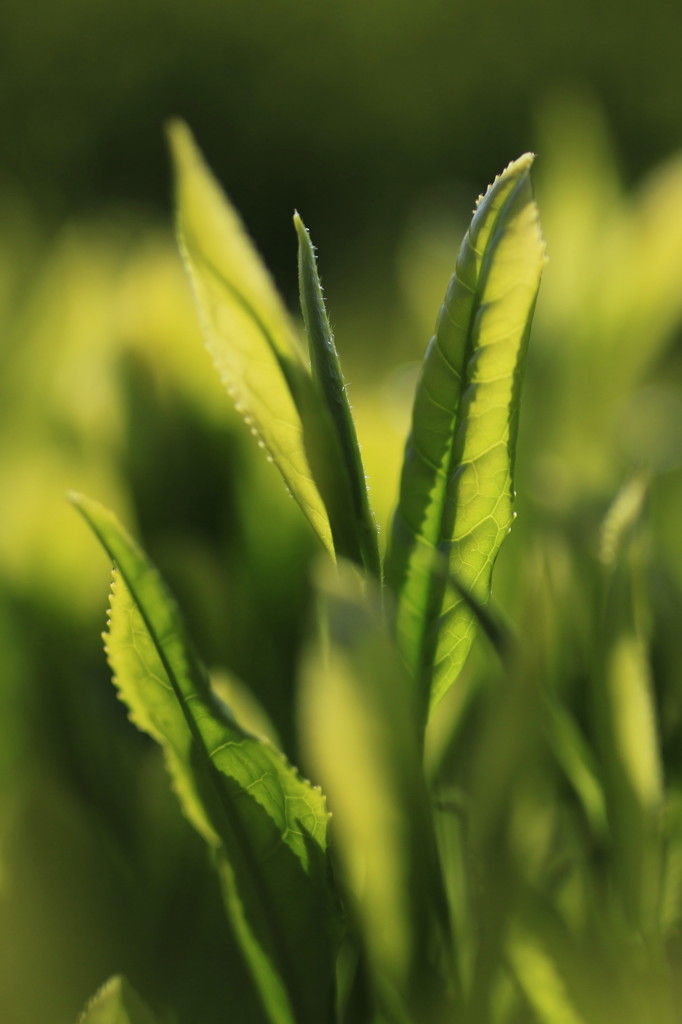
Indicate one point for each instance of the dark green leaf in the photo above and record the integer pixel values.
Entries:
(247, 329)
(327, 373)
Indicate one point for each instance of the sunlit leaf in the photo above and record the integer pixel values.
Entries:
(267, 824)
(247, 329)
(456, 489)
(358, 727)
(327, 373)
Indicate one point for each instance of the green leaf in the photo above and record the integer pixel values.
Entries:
(326, 370)
(626, 714)
(634, 778)
(541, 980)
(358, 728)
(267, 824)
(575, 758)
(246, 326)
(456, 489)
(116, 1003)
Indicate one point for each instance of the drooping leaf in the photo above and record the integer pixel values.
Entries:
(116, 1003)
(358, 727)
(327, 373)
(456, 493)
(247, 329)
(268, 825)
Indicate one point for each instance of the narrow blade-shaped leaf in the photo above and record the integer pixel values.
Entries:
(246, 326)
(358, 728)
(627, 716)
(117, 1003)
(540, 978)
(633, 778)
(267, 823)
(326, 370)
(456, 493)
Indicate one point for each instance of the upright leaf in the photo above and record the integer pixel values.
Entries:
(327, 373)
(267, 824)
(540, 978)
(456, 492)
(247, 329)
(358, 728)
(627, 716)
(116, 1003)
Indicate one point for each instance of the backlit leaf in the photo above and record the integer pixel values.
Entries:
(456, 491)
(358, 728)
(246, 326)
(327, 373)
(268, 825)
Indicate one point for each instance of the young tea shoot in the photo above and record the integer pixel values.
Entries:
(355, 923)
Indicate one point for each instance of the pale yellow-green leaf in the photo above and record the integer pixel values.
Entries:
(359, 730)
(246, 327)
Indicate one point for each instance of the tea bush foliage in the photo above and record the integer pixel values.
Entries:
(505, 838)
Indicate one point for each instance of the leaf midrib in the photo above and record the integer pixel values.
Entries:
(234, 825)
(437, 585)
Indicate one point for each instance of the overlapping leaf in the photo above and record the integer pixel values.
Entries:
(267, 823)
(247, 330)
(256, 351)
(456, 492)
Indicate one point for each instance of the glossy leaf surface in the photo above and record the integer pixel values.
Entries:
(326, 370)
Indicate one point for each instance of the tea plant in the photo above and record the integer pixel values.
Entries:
(408, 905)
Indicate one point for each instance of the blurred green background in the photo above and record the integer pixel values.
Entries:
(381, 122)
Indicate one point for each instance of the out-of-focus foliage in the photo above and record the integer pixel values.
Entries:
(362, 101)
(106, 388)
(456, 485)
(116, 1003)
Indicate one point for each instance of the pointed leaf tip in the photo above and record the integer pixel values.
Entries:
(180, 140)
(456, 493)
(247, 329)
(348, 503)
